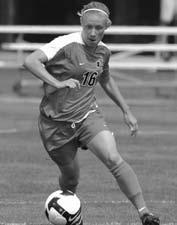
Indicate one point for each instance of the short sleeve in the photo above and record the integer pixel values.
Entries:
(50, 49)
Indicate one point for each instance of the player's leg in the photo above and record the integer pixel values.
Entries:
(61, 146)
(103, 145)
(58, 140)
(67, 160)
(95, 134)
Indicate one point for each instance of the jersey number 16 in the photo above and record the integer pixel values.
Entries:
(89, 79)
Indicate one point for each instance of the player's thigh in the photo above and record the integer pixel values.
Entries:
(104, 146)
(58, 140)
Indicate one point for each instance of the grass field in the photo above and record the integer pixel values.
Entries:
(28, 176)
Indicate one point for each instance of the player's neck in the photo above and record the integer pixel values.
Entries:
(91, 49)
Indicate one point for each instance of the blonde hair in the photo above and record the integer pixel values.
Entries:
(96, 6)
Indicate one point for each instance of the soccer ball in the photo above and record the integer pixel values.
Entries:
(63, 208)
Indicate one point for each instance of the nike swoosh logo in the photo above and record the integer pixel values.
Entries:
(75, 217)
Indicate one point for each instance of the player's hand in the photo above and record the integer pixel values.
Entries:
(71, 83)
(131, 122)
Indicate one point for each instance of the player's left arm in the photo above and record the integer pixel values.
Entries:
(110, 87)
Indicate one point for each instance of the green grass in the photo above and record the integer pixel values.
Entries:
(28, 175)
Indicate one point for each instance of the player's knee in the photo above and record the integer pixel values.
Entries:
(113, 160)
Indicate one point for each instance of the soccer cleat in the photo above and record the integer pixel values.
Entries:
(150, 219)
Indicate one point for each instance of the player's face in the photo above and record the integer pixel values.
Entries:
(94, 25)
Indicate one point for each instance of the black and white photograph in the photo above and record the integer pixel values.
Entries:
(88, 115)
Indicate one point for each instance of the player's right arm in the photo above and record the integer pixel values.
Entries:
(35, 64)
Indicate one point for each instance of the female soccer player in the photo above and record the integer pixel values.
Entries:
(70, 67)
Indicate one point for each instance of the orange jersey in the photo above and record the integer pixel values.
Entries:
(68, 57)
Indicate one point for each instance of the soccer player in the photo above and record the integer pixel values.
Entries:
(70, 67)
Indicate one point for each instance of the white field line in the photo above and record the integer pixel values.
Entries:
(120, 132)
(1, 223)
(150, 132)
(106, 223)
(117, 223)
(8, 202)
(136, 102)
(8, 131)
(141, 102)
(13, 99)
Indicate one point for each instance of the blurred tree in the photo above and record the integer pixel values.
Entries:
(135, 12)
(7, 16)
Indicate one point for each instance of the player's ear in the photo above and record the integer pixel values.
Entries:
(109, 23)
(81, 20)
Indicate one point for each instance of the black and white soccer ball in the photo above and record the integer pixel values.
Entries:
(63, 208)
